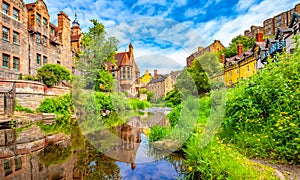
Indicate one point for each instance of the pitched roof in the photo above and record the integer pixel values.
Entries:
(160, 79)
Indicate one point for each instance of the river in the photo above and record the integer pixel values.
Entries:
(90, 151)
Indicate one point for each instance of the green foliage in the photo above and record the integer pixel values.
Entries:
(58, 105)
(97, 51)
(218, 161)
(24, 109)
(30, 78)
(210, 63)
(104, 82)
(158, 132)
(193, 81)
(138, 104)
(53, 73)
(232, 49)
(262, 113)
(62, 125)
(120, 102)
(103, 101)
(149, 94)
(174, 115)
(172, 98)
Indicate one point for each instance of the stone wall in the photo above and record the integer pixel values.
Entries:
(29, 93)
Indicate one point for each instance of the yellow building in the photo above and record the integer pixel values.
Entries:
(146, 78)
(244, 64)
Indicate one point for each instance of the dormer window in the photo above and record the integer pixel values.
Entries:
(52, 31)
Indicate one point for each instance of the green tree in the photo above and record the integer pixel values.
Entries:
(193, 81)
(232, 49)
(210, 63)
(104, 82)
(173, 98)
(97, 50)
(53, 73)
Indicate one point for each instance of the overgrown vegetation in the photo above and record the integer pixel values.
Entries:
(23, 109)
(58, 105)
(262, 113)
(52, 74)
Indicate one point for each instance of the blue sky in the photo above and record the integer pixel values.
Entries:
(171, 29)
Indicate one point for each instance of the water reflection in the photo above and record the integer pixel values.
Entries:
(75, 156)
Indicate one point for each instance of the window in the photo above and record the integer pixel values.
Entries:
(38, 59)
(16, 37)
(45, 60)
(5, 33)
(73, 70)
(5, 7)
(38, 38)
(128, 73)
(38, 18)
(44, 40)
(5, 61)
(44, 22)
(123, 73)
(52, 31)
(7, 167)
(58, 62)
(16, 13)
(248, 68)
(254, 65)
(18, 164)
(237, 71)
(16, 62)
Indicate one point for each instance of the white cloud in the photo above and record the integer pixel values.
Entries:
(194, 12)
(244, 4)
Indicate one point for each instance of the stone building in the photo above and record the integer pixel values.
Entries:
(30, 41)
(215, 47)
(160, 85)
(253, 31)
(126, 72)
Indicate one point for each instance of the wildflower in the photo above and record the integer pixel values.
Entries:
(190, 168)
(292, 124)
(280, 128)
(258, 139)
(296, 139)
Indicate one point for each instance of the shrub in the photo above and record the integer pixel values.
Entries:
(138, 104)
(53, 73)
(158, 132)
(173, 98)
(58, 105)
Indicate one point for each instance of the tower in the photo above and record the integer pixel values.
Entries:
(131, 57)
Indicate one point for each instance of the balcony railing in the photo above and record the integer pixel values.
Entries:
(277, 47)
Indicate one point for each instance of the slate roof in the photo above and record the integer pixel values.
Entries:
(161, 79)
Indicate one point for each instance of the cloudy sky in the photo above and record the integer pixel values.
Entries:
(171, 29)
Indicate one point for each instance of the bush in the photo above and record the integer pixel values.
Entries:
(173, 98)
(58, 105)
(31, 78)
(158, 132)
(138, 104)
(53, 73)
(174, 115)
(262, 113)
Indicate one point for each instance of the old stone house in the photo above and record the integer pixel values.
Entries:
(215, 47)
(160, 85)
(29, 40)
(126, 72)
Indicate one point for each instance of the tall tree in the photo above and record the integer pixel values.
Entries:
(97, 49)
(232, 49)
(210, 63)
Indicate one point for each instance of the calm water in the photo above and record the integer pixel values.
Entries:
(92, 151)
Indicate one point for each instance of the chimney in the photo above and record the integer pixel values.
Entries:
(155, 73)
(240, 48)
(223, 57)
(259, 37)
(147, 71)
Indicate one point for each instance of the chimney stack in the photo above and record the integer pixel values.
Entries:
(259, 37)
(223, 57)
(240, 48)
(155, 73)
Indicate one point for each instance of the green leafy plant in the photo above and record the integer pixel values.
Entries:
(24, 109)
(53, 73)
(58, 105)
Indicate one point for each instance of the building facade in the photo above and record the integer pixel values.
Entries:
(215, 47)
(253, 31)
(126, 72)
(30, 41)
